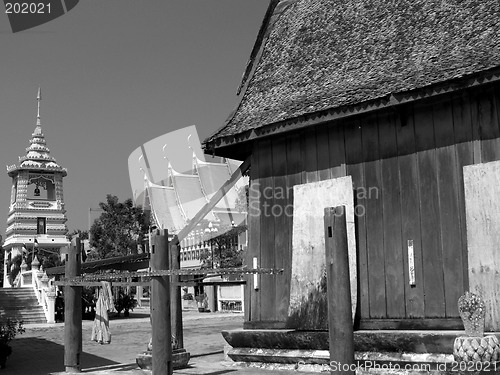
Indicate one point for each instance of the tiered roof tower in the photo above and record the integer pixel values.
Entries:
(36, 212)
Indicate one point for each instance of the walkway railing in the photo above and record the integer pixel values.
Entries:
(43, 287)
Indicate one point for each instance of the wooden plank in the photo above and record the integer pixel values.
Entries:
(463, 134)
(482, 188)
(308, 299)
(496, 94)
(341, 337)
(355, 168)
(374, 218)
(323, 153)
(410, 212)
(264, 325)
(451, 240)
(252, 295)
(311, 156)
(429, 213)
(476, 128)
(282, 249)
(391, 204)
(337, 151)
(267, 239)
(413, 324)
(295, 175)
(488, 125)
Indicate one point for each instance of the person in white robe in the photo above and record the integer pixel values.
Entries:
(105, 303)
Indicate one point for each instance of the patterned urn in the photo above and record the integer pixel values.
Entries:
(473, 346)
(476, 349)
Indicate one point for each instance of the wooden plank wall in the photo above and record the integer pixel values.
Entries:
(406, 166)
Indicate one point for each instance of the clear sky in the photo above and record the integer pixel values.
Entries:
(115, 74)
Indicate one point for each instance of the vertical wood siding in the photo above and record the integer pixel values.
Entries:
(406, 165)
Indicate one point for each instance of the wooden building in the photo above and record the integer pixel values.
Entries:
(401, 96)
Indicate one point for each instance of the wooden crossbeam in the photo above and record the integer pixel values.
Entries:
(178, 272)
(145, 283)
(98, 283)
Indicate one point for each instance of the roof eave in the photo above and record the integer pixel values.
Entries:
(224, 145)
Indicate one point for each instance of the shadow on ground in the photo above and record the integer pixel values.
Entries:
(36, 356)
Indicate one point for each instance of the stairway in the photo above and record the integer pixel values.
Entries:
(21, 304)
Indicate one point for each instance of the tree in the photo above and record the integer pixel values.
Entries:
(242, 202)
(83, 234)
(224, 250)
(119, 230)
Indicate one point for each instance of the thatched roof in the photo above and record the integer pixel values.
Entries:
(317, 55)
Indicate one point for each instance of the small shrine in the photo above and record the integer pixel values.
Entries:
(37, 217)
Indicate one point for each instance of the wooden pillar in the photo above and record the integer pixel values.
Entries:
(139, 290)
(160, 306)
(73, 309)
(176, 302)
(338, 291)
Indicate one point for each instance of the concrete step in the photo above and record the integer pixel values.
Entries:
(21, 304)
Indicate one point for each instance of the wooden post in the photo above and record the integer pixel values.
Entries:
(339, 292)
(73, 309)
(176, 302)
(160, 307)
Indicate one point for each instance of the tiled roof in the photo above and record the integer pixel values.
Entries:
(317, 55)
(37, 156)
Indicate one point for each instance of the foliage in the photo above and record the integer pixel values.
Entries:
(9, 329)
(124, 301)
(119, 229)
(242, 199)
(48, 260)
(226, 253)
(188, 297)
(471, 305)
(88, 302)
(83, 234)
(14, 267)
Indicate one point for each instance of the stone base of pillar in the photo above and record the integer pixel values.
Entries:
(180, 359)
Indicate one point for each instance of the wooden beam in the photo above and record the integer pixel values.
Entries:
(338, 291)
(160, 307)
(205, 210)
(99, 284)
(147, 283)
(73, 310)
(175, 298)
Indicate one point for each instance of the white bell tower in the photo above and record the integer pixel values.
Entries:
(37, 218)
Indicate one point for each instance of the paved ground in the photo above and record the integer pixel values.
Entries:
(40, 350)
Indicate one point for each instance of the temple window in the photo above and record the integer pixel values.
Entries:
(41, 225)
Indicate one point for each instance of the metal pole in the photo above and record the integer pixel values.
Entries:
(338, 291)
(73, 310)
(160, 306)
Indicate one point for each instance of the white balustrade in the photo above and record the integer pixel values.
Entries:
(44, 289)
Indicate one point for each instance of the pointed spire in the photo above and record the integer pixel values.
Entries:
(39, 99)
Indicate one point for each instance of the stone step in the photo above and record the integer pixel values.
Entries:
(21, 304)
